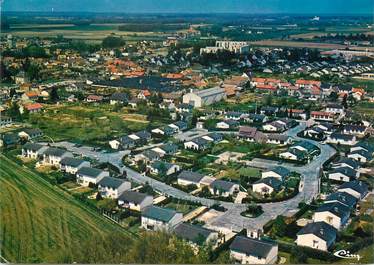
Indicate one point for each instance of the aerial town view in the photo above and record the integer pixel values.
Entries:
(211, 131)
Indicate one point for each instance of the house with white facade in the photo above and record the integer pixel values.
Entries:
(71, 165)
(344, 174)
(266, 186)
(112, 188)
(356, 188)
(195, 234)
(87, 175)
(247, 250)
(53, 156)
(160, 219)
(335, 214)
(223, 188)
(135, 201)
(186, 178)
(33, 151)
(318, 235)
(343, 139)
(278, 172)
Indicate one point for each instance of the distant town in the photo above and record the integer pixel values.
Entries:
(248, 142)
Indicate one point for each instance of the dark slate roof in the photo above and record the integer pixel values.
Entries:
(200, 141)
(222, 184)
(125, 140)
(215, 136)
(284, 172)
(356, 185)
(190, 176)
(350, 127)
(191, 232)
(111, 182)
(321, 230)
(158, 213)
(133, 196)
(10, 138)
(347, 171)
(342, 197)
(89, 171)
(366, 146)
(160, 165)
(345, 137)
(32, 146)
(180, 124)
(150, 154)
(251, 246)
(351, 162)
(169, 147)
(363, 153)
(51, 151)
(32, 131)
(71, 161)
(307, 145)
(270, 181)
(335, 208)
(119, 97)
(143, 134)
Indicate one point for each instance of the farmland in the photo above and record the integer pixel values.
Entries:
(39, 222)
(87, 124)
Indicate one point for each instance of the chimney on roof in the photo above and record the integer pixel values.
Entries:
(321, 231)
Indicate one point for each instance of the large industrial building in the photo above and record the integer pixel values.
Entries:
(199, 98)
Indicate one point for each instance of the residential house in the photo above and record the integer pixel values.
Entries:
(318, 235)
(135, 201)
(233, 115)
(247, 250)
(31, 108)
(251, 134)
(166, 149)
(335, 108)
(343, 173)
(357, 130)
(160, 219)
(32, 150)
(53, 156)
(269, 110)
(166, 131)
(266, 186)
(257, 118)
(147, 156)
(346, 162)
(30, 133)
(335, 214)
(213, 137)
(179, 126)
(322, 116)
(71, 165)
(293, 154)
(94, 98)
(196, 234)
(186, 178)
(279, 172)
(5, 121)
(343, 139)
(163, 168)
(342, 197)
(361, 156)
(223, 188)
(144, 94)
(184, 108)
(87, 175)
(112, 188)
(274, 126)
(227, 124)
(362, 146)
(355, 188)
(197, 144)
(297, 113)
(118, 98)
(278, 139)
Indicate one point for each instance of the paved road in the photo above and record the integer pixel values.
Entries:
(231, 219)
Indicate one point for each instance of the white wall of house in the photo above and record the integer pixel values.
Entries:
(191, 145)
(73, 170)
(184, 182)
(156, 225)
(351, 192)
(312, 241)
(55, 160)
(288, 155)
(137, 207)
(339, 177)
(328, 218)
(249, 259)
(114, 193)
(358, 158)
(114, 144)
(262, 188)
(85, 180)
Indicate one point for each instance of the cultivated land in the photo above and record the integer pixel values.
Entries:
(40, 222)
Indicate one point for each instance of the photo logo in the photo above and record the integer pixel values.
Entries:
(345, 254)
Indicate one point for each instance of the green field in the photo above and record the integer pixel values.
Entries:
(40, 222)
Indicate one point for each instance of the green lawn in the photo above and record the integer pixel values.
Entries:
(181, 207)
(40, 222)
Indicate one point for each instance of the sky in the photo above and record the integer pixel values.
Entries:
(316, 7)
